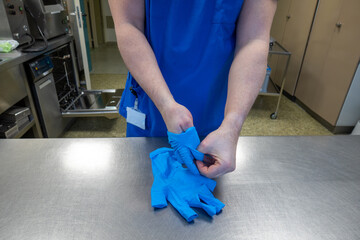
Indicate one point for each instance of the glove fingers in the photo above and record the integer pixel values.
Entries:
(212, 201)
(188, 159)
(158, 199)
(210, 210)
(183, 208)
(197, 155)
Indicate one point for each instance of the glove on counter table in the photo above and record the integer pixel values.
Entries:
(309, 188)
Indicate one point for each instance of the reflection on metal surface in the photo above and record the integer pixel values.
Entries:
(85, 158)
(242, 157)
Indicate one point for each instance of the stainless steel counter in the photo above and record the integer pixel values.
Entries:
(17, 57)
(283, 188)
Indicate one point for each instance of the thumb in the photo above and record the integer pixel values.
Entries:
(186, 125)
(201, 148)
(204, 146)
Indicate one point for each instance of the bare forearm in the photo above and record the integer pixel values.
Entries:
(247, 71)
(140, 60)
(246, 76)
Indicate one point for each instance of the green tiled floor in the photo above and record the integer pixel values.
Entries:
(292, 119)
(108, 81)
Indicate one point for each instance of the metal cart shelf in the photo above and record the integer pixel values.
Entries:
(273, 89)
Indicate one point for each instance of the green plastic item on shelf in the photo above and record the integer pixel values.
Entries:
(8, 45)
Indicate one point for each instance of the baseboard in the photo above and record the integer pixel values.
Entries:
(111, 44)
(343, 129)
(289, 96)
(285, 93)
(329, 126)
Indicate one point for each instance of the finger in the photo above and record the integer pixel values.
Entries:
(158, 199)
(200, 165)
(183, 208)
(205, 170)
(177, 130)
(211, 171)
(209, 160)
(202, 147)
(210, 210)
(211, 200)
(205, 145)
(186, 125)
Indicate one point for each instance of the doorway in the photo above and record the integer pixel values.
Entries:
(107, 69)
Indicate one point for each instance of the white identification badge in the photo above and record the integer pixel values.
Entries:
(135, 117)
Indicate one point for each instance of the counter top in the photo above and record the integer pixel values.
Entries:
(17, 57)
(283, 188)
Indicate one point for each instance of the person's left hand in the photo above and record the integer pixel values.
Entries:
(219, 148)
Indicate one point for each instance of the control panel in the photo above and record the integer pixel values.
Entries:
(16, 16)
(41, 67)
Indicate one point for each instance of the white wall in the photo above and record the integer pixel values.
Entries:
(109, 34)
(350, 112)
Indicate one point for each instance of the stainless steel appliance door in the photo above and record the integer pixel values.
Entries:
(95, 103)
(50, 115)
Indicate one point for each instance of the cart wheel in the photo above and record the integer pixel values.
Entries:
(273, 116)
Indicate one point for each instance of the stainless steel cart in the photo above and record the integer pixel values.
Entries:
(273, 90)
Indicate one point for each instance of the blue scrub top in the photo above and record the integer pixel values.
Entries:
(194, 43)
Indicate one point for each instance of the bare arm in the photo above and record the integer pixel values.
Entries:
(129, 19)
(248, 69)
(246, 76)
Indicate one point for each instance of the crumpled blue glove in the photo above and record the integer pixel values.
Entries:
(180, 187)
(185, 145)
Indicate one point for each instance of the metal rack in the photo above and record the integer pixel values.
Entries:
(273, 89)
(63, 72)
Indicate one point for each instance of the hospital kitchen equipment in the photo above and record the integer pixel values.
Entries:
(14, 24)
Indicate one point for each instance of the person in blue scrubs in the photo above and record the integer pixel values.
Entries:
(193, 63)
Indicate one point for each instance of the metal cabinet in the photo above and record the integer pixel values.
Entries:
(12, 87)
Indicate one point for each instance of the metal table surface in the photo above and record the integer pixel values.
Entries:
(283, 188)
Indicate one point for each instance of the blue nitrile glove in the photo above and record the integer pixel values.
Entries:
(180, 187)
(185, 145)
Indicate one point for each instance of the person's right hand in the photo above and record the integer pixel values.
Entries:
(177, 117)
